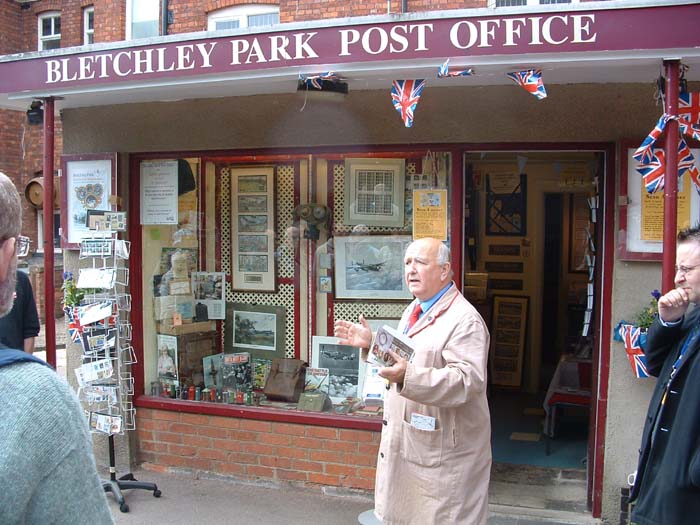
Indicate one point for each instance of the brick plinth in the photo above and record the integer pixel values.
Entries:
(259, 450)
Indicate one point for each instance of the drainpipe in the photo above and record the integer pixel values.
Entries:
(404, 6)
(671, 177)
(49, 289)
(164, 17)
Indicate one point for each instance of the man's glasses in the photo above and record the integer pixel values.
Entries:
(683, 270)
(22, 246)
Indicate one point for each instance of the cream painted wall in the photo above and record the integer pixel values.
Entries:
(571, 113)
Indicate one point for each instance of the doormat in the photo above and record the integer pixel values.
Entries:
(525, 436)
(534, 411)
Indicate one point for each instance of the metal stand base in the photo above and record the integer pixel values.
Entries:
(368, 518)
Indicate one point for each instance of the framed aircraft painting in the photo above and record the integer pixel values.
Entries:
(370, 267)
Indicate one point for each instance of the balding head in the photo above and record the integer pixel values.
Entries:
(427, 267)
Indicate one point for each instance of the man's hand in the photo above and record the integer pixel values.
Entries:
(353, 334)
(673, 305)
(396, 372)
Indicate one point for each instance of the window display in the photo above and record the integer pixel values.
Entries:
(237, 292)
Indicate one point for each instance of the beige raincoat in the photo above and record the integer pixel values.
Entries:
(438, 476)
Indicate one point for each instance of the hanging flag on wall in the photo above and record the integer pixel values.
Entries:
(531, 81)
(634, 338)
(444, 71)
(405, 95)
(689, 107)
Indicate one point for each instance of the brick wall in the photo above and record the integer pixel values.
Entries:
(253, 449)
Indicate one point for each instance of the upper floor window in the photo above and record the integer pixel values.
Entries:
(249, 15)
(49, 31)
(89, 25)
(142, 18)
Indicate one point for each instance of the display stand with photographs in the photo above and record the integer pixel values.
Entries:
(101, 323)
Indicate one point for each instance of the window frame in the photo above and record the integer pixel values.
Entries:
(53, 37)
(130, 4)
(529, 3)
(240, 13)
(88, 32)
(40, 231)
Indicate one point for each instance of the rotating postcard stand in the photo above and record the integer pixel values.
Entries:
(101, 324)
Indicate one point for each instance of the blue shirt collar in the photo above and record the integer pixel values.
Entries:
(426, 305)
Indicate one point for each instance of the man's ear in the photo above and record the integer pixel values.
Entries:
(445, 270)
(7, 252)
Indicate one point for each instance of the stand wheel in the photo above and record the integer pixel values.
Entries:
(157, 493)
(124, 507)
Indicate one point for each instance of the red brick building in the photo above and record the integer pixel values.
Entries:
(215, 84)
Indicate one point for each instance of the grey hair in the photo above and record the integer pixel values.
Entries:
(443, 255)
(10, 209)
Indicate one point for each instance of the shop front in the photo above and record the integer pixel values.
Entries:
(259, 213)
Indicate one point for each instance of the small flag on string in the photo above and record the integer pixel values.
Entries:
(316, 81)
(644, 152)
(689, 130)
(531, 81)
(653, 172)
(405, 95)
(444, 71)
(689, 107)
(633, 338)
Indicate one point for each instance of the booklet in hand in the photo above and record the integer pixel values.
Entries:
(387, 338)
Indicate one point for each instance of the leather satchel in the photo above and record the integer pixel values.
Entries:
(285, 382)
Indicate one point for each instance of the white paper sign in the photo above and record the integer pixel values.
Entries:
(159, 192)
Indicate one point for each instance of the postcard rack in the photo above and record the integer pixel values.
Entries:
(101, 323)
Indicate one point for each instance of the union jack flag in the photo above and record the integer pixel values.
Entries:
(653, 172)
(316, 81)
(689, 107)
(531, 81)
(444, 71)
(644, 153)
(633, 338)
(75, 330)
(689, 130)
(405, 95)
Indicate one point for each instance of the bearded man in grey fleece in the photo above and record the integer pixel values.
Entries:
(47, 469)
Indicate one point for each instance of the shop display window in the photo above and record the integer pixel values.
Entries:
(242, 280)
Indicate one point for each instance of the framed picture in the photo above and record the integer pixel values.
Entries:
(374, 191)
(252, 229)
(345, 367)
(508, 331)
(641, 214)
(87, 183)
(370, 267)
(506, 199)
(258, 329)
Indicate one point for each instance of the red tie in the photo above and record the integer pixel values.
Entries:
(415, 314)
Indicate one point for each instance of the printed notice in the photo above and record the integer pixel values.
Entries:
(159, 192)
(652, 227)
(430, 214)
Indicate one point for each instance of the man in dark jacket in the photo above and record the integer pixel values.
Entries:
(667, 485)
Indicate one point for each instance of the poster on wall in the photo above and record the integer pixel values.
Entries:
(430, 214)
(159, 203)
(87, 185)
(506, 200)
(641, 214)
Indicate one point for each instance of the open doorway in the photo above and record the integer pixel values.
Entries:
(530, 237)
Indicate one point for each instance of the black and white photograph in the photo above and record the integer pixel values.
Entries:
(345, 368)
(252, 223)
(370, 267)
(252, 203)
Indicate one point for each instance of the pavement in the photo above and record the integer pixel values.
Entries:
(188, 497)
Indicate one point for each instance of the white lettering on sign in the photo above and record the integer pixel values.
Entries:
(434, 38)
(376, 40)
(509, 32)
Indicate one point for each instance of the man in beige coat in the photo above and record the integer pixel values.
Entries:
(435, 453)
